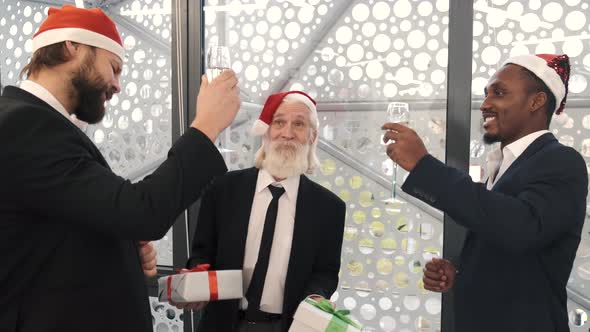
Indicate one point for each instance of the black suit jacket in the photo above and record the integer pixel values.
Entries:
(220, 240)
(68, 225)
(522, 239)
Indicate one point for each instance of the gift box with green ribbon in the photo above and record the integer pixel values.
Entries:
(320, 316)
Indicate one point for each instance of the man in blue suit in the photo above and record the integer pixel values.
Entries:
(524, 224)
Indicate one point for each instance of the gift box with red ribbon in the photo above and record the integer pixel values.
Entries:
(199, 284)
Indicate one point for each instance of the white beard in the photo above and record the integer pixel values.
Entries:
(285, 159)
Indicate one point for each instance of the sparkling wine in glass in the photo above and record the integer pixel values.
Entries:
(218, 60)
(398, 113)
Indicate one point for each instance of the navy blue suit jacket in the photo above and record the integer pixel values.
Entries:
(522, 236)
(220, 240)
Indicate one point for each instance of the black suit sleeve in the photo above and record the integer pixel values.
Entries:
(547, 208)
(57, 177)
(204, 243)
(324, 278)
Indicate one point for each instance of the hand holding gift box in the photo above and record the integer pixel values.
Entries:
(320, 316)
(199, 284)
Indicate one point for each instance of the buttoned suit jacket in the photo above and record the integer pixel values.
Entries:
(522, 236)
(220, 240)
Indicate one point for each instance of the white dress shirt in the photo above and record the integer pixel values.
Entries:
(274, 284)
(40, 92)
(501, 159)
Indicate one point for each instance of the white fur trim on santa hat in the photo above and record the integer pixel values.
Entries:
(547, 74)
(78, 35)
(259, 128)
(561, 118)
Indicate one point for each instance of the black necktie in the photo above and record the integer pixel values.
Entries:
(254, 293)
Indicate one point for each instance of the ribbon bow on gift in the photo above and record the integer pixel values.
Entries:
(339, 322)
(213, 287)
(198, 268)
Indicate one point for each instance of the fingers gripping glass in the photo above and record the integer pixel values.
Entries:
(398, 113)
(218, 60)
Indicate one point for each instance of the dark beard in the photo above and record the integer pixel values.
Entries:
(88, 91)
(490, 139)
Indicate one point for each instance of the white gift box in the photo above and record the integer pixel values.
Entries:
(201, 286)
(309, 318)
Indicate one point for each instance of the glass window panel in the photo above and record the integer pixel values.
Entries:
(508, 28)
(165, 318)
(354, 58)
(145, 102)
(136, 133)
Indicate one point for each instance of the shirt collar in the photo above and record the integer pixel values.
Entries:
(42, 93)
(517, 147)
(495, 154)
(291, 184)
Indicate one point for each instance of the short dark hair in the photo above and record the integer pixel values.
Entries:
(537, 85)
(47, 57)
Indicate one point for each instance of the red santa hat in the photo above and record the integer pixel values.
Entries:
(554, 71)
(272, 104)
(85, 26)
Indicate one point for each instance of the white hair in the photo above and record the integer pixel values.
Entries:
(313, 161)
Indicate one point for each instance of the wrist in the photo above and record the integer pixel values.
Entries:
(208, 130)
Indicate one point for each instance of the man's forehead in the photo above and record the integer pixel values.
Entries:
(504, 75)
(292, 108)
(110, 56)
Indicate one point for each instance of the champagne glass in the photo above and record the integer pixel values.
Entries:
(218, 60)
(399, 113)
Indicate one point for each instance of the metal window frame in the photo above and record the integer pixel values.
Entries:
(458, 128)
(188, 47)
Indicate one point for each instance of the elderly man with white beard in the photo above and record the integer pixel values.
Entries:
(271, 221)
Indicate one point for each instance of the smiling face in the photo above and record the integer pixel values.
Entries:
(95, 82)
(510, 108)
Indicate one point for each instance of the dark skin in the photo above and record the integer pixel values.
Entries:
(511, 110)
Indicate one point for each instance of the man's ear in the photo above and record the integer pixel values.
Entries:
(72, 49)
(539, 101)
(314, 136)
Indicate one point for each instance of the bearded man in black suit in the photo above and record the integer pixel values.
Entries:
(69, 227)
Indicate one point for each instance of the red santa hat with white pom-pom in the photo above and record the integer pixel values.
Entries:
(554, 71)
(272, 104)
(85, 26)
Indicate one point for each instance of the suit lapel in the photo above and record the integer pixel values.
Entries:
(300, 245)
(244, 196)
(527, 153)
